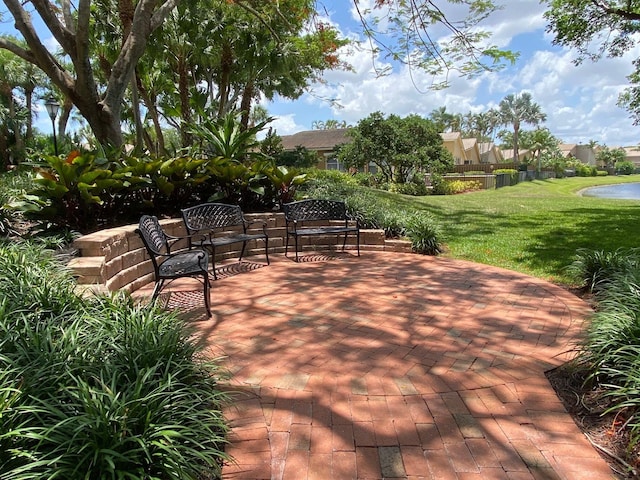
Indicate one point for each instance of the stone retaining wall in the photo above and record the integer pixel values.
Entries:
(115, 259)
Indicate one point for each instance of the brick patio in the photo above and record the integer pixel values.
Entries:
(393, 366)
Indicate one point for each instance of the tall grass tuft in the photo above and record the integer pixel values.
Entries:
(99, 388)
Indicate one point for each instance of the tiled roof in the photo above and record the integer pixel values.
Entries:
(316, 139)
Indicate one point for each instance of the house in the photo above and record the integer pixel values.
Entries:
(633, 155)
(323, 142)
(471, 150)
(524, 155)
(452, 141)
(585, 153)
(490, 153)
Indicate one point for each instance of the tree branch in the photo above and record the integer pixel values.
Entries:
(619, 12)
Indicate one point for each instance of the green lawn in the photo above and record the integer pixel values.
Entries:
(534, 227)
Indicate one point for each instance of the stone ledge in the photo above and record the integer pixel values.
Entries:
(114, 259)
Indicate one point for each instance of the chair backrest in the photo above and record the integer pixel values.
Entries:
(153, 236)
(309, 210)
(208, 216)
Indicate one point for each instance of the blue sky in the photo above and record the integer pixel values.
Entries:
(579, 101)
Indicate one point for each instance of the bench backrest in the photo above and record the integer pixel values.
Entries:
(310, 210)
(211, 215)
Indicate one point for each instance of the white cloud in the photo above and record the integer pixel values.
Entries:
(580, 101)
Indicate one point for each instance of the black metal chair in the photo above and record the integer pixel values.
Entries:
(212, 225)
(168, 265)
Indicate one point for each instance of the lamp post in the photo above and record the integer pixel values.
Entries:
(52, 109)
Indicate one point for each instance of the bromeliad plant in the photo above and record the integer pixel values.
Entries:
(226, 138)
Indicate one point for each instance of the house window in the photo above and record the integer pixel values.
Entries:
(334, 164)
(373, 168)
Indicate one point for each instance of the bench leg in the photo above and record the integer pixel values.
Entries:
(266, 249)
(244, 246)
(213, 262)
(295, 237)
(358, 240)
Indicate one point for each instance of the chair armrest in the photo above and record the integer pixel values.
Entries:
(172, 239)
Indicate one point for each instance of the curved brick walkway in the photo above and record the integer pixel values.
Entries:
(396, 366)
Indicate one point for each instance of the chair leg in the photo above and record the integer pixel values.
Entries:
(295, 237)
(244, 246)
(207, 293)
(358, 240)
(266, 249)
(344, 242)
(286, 245)
(156, 289)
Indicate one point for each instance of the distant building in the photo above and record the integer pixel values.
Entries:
(490, 153)
(524, 155)
(633, 155)
(452, 141)
(324, 142)
(471, 150)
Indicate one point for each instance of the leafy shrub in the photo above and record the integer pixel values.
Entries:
(86, 191)
(137, 402)
(424, 233)
(439, 185)
(411, 188)
(12, 185)
(514, 176)
(602, 173)
(625, 168)
(461, 186)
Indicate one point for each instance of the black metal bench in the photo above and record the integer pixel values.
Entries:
(327, 217)
(212, 225)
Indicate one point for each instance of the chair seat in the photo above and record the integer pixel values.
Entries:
(182, 264)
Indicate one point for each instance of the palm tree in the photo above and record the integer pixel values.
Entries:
(515, 109)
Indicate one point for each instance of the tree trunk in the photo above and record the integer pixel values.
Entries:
(245, 105)
(516, 130)
(224, 86)
(185, 107)
(158, 148)
(28, 93)
(67, 106)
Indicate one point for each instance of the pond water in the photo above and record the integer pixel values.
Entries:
(626, 191)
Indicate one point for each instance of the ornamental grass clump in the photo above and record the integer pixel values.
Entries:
(425, 234)
(99, 388)
(595, 269)
(611, 349)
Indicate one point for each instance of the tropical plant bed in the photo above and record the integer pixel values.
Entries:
(606, 432)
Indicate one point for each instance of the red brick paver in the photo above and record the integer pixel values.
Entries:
(396, 366)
